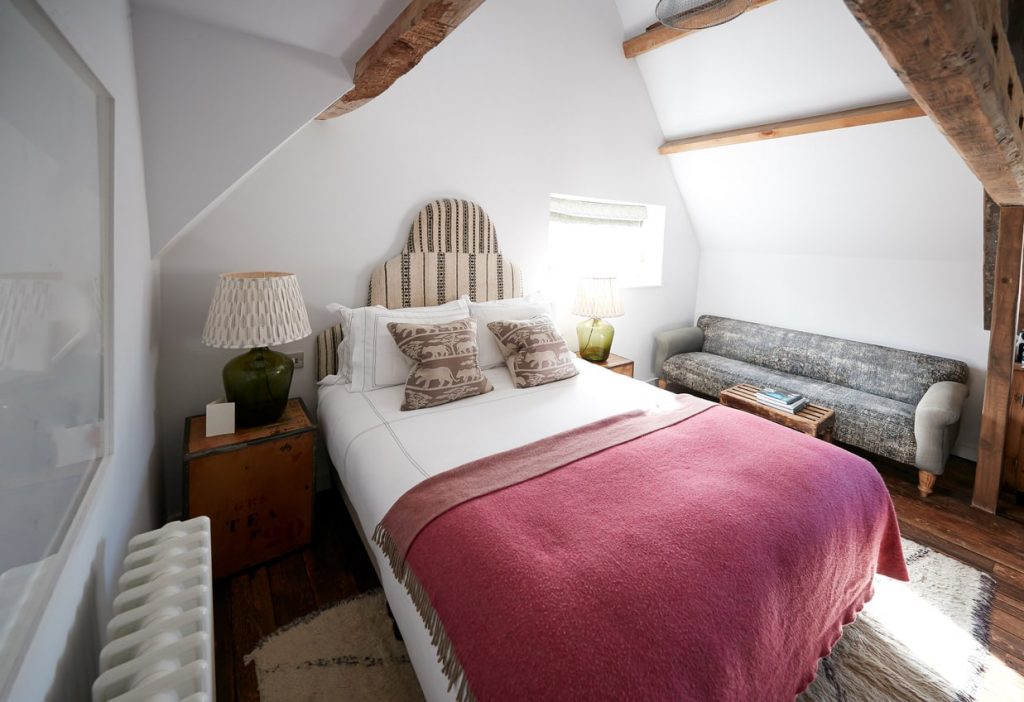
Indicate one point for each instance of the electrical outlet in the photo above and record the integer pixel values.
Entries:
(298, 359)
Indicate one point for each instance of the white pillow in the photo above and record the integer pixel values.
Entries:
(376, 360)
(344, 374)
(513, 309)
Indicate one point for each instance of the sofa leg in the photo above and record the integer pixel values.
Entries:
(925, 482)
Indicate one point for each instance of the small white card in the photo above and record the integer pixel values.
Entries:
(220, 418)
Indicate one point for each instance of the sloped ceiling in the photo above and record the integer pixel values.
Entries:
(894, 190)
(339, 28)
(791, 58)
(223, 84)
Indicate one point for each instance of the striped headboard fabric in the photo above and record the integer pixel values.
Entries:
(452, 251)
(327, 343)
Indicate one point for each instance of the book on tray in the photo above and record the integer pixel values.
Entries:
(784, 400)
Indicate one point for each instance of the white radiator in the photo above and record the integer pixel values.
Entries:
(161, 633)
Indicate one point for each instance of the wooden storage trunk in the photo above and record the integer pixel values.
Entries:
(255, 485)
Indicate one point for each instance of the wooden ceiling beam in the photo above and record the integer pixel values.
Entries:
(659, 35)
(903, 109)
(421, 26)
(955, 60)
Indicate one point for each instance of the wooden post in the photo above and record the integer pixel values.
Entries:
(990, 230)
(1000, 359)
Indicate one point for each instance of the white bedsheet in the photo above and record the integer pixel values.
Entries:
(380, 452)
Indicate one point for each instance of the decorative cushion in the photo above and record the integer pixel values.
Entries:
(517, 308)
(534, 351)
(445, 362)
(376, 360)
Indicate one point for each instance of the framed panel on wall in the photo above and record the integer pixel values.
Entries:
(56, 199)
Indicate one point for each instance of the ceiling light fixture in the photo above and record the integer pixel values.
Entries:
(698, 14)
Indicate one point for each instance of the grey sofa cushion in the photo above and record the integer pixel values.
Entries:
(892, 373)
(880, 424)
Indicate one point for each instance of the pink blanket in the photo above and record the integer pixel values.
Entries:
(699, 554)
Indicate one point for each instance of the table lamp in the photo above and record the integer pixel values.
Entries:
(254, 311)
(596, 299)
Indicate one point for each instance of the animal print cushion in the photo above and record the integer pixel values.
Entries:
(534, 351)
(446, 367)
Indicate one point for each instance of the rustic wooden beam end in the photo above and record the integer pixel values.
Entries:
(422, 25)
(954, 58)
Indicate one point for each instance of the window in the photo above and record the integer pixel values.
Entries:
(590, 237)
(56, 154)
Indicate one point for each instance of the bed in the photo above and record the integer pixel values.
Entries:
(382, 455)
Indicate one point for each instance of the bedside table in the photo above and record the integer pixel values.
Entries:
(616, 364)
(255, 485)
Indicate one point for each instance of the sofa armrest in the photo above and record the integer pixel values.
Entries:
(937, 423)
(668, 343)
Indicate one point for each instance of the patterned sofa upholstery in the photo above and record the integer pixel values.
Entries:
(897, 404)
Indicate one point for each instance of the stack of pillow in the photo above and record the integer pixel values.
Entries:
(440, 352)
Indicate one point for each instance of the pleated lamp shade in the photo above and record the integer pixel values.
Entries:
(598, 298)
(251, 310)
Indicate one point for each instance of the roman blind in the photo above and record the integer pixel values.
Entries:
(616, 214)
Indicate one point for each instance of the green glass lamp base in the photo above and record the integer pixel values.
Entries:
(258, 383)
(595, 337)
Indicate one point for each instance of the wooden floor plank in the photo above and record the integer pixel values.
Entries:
(1003, 641)
(1008, 622)
(328, 572)
(290, 589)
(1011, 581)
(1008, 603)
(923, 536)
(252, 618)
(223, 643)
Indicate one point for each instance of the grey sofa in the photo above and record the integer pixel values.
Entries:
(898, 404)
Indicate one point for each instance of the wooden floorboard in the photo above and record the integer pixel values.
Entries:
(256, 602)
(252, 618)
(253, 604)
(291, 592)
(223, 643)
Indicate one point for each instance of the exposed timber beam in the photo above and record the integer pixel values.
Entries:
(955, 60)
(996, 403)
(421, 26)
(990, 245)
(659, 35)
(888, 112)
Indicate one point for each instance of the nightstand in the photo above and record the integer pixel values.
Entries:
(616, 364)
(255, 485)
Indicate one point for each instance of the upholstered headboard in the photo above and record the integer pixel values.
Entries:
(452, 251)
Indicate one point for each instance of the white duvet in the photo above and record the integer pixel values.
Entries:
(380, 452)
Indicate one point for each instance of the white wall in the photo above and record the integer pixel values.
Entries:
(123, 496)
(214, 102)
(879, 227)
(877, 230)
(524, 99)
